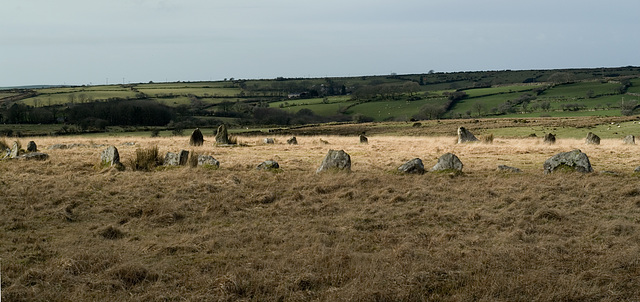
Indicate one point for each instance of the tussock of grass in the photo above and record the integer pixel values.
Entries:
(146, 159)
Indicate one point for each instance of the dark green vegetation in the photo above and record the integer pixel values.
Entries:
(283, 101)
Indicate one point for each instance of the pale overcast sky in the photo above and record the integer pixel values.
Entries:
(90, 41)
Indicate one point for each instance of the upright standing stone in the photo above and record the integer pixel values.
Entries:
(549, 139)
(465, 136)
(110, 157)
(575, 160)
(629, 140)
(335, 160)
(269, 141)
(183, 157)
(15, 150)
(196, 139)
(363, 139)
(592, 139)
(31, 147)
(222, 137)
(414, 166)
(448, 161)
(292, 141)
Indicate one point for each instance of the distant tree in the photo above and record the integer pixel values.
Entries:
(478, 107)
(432, 111)
(545, 105)
(627, 108)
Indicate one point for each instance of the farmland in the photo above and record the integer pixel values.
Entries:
(73, 231)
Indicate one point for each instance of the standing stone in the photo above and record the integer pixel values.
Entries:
(592, 139)
(208, 160)
(183, 157)
(629, 140)
(171, 159)
(414, 166)
(110, 157)
(269, 141)
(335, 160)
(222, 137)
(31, 147)
(15, 150)
(268, 165)
(292, 141)
(196, 138)
(363, 139)
(574, 159)
(465, 136)
(448, 161)
(549, 139)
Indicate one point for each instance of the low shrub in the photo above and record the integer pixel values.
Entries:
(146, 159)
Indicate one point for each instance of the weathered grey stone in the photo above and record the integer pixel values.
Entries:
(465, 136)
(448, 161)
(34, 156)
(196, 139)
(592, 139)
(574, 159)
(269, 141)
(129, 143)
(208, 160)
(110, 156)
(508, 169)
(414, 166)
(292, 141)
(335, 160)
(32, 147)
(363, 139)
(324, 142)
(222, 137)
(629, 140)
(171, 159)
(636, 170)
(549, 139)
(268, 165)
(15, 150)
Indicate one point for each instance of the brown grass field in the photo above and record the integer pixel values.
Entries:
(72, 232)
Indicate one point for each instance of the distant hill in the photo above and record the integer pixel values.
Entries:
(294, 101)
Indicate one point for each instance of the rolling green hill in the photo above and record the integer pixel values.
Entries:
(567, 92)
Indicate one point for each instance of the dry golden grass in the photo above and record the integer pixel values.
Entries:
(72, 232)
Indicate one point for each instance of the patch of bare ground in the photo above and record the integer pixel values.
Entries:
(72, 232)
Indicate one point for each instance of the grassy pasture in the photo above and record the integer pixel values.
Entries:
(478, 92)
(74, 232)
(396, 109)
(197, 91)
(579, 90)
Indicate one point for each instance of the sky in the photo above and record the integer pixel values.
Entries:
(92, 42)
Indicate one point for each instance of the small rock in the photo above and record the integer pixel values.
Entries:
(592, 139)
(509, 169)
(129, 143)
(629, 140)
(574, 159)
(269, 141)
(292, 141)
(268, 165)
(208, 160)
(335, 160)
(414, 166)
(549, 139)
(58, 146)
(448, 161)
(196, 138)
(34, 156)
(171, 159)
(465, 136)
(363, 139)
(636, 170)
(31, 147)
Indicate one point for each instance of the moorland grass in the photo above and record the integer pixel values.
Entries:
(70, 232)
